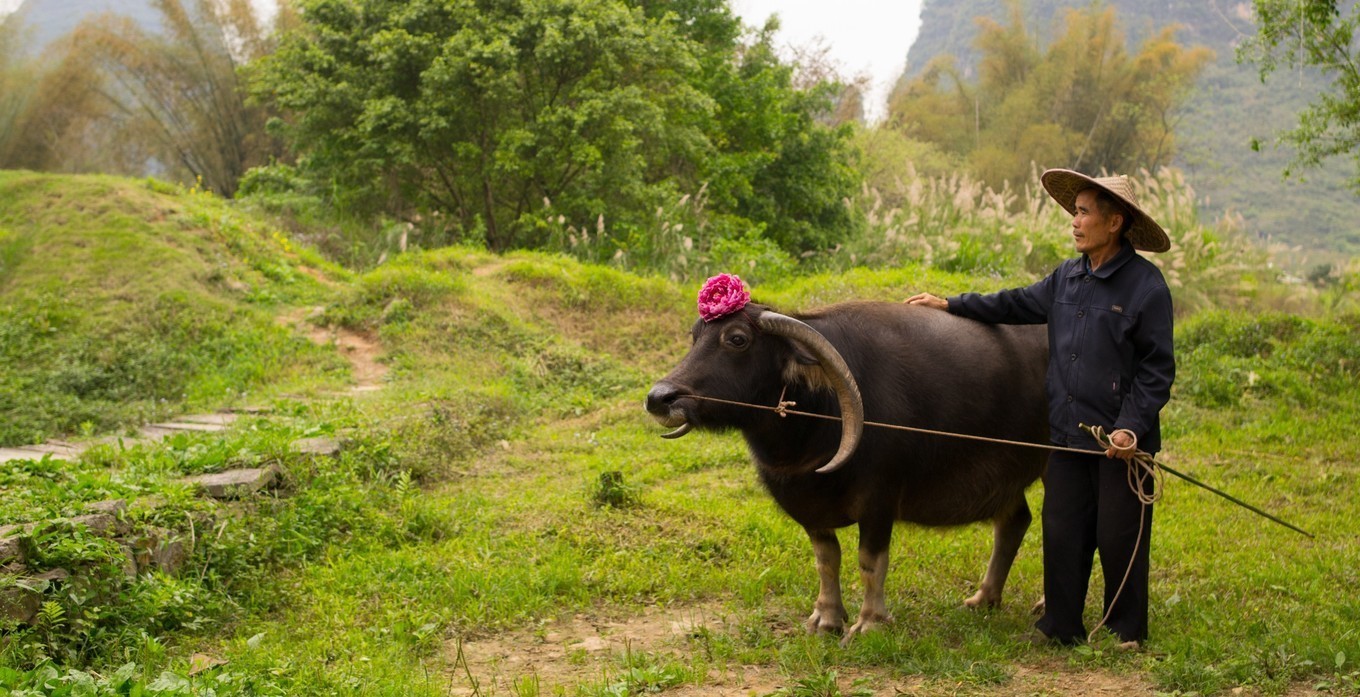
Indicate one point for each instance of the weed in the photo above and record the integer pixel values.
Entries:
(825, 684)
(610, 491)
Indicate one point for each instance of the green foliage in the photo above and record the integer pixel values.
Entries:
(484, 112)
(566, 124)
(1320, 34)
(1232, 359)
(1082, 102)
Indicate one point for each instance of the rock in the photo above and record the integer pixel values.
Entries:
(13, 558)
(19, 603)
(113, 507)
(161, 549)
(235, 483)
(325, 447)
(52, 575)
(99, 523)
(18, 529)
(129, 561)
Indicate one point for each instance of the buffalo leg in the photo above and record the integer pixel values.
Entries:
(1008, 531)
(873, 571)
(828, 614)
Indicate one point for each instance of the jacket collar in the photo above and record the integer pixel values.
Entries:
(1107, 269)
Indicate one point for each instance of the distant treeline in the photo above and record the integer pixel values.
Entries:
(661, 136)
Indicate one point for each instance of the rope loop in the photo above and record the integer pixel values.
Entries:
(782, 407)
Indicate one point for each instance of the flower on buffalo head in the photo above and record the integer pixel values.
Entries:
(721, 296)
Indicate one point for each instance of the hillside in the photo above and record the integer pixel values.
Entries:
(502, 517)
(184, 292)
(1229, 107)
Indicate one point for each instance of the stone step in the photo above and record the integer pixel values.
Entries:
(234, 484)
(173, 426)
(7, 454)
(57, 449)
(216, 419)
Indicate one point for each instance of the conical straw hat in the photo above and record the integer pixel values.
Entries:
(1144, 234)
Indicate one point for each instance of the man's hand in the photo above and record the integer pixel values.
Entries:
(928, 300)
(1123, 445)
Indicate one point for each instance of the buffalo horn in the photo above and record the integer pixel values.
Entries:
(852, 405)
(682, 430)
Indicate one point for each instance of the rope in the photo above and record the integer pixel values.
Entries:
(783, 410)
(1141, 468)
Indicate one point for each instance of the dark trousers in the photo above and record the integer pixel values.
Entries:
(1089, 506)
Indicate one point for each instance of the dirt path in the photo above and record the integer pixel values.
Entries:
(586, 650)
(361, 350)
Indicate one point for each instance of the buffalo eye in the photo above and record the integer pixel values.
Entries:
(737, 340)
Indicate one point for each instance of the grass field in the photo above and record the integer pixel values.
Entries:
(504, 519)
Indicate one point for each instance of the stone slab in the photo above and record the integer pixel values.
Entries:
(325, 447)
(7, 454)
(58, 450)
(235, 483)
(188, 426)
(154, 432)
(217, 419)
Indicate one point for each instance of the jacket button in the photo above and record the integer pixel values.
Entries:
(1074, 356)
(1081, 313)
(1086, 280)
(1070, 398)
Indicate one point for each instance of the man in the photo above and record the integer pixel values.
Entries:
(1110, 364)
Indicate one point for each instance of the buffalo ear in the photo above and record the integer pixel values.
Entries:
(805, 369)
(802, 355)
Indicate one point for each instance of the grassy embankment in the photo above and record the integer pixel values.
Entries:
(470, 505)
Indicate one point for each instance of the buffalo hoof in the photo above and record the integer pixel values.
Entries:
(827, 620)
(865, 625)
(1040, 606)
(982, 599)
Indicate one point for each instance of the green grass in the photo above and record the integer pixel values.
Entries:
(125, 302)
(507, 483)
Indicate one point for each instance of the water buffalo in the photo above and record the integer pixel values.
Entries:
(888, 363)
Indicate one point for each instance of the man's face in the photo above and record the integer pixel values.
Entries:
(1094, 233)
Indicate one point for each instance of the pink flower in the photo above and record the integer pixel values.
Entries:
(721, 296)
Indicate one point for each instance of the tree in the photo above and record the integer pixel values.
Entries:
(1082, 102)
(1313, 33)
(499, 116)
(180, 92)
(53, 116)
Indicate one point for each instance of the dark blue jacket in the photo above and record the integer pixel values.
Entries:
(1110, 358)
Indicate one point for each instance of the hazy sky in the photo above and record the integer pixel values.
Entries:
(864, 36)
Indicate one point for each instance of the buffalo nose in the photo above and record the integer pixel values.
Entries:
(661, 396)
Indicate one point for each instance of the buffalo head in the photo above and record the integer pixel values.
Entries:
(749, 356)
